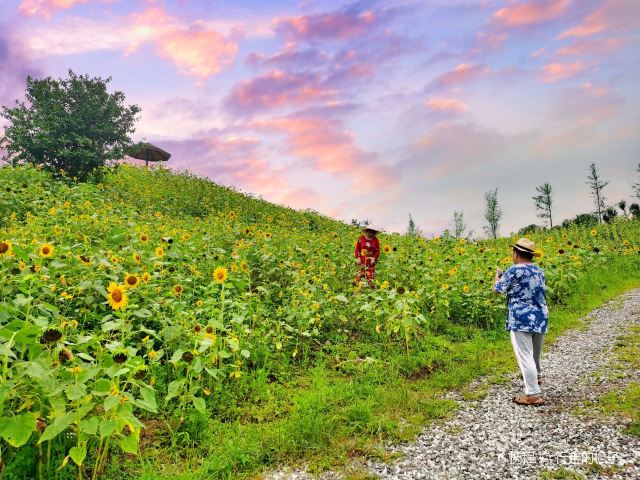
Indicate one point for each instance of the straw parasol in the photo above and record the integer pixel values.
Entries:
(148, 153)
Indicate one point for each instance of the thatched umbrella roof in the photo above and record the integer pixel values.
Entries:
(148, 153)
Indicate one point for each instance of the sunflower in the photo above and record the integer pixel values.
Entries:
(267, 235)
(144, 238)
(386, 249)
(136, 257)
(445, 286)
(505, 261)
(159, 252)
(220, 274)
(594, 232)
(244, 266)
(199, 303)
(131, 280)
(46, 250)
(178, 289)
(146, 277)
(116, 296)
(6, 248)
(466, 289)
(84, 259)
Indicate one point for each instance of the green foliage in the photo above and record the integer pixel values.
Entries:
(266, 341)
(71, 125)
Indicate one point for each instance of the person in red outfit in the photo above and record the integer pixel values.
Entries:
(367, 254)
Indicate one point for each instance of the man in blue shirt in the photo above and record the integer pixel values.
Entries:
(527, 315)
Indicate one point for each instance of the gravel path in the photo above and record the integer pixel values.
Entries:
(493, 438)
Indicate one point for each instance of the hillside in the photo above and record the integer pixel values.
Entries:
(162, 314)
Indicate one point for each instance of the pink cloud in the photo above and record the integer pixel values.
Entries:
(196, 51)
(290, 56)
(554, 72)
(530, 13)
(620, 15)
(335, 25)
(449, 105)
(463, 73)
(331, 149)
(278, 89)
(47, 7)
(591, 47)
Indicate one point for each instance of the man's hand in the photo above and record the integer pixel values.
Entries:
(358, 261)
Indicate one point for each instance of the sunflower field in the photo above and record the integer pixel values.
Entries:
(154, 295)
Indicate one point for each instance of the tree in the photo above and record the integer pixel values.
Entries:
(360, 223)
(636, 185)
(634, 210)
(582, 220)
(596, 184)
(544, 202)
(529, 229)
(493, 213)
(609, 214)
(412, 229)
(73, 124)
(458, 224)
(622, 205)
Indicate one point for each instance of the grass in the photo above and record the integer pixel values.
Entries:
(561, 474)
(332, 414)
(624, 402)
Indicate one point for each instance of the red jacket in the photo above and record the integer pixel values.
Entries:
(372, 247)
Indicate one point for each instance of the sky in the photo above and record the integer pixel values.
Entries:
(369, 110)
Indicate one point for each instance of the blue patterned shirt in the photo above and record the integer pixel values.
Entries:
(526, 292)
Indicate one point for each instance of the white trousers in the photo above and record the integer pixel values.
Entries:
(528, 346)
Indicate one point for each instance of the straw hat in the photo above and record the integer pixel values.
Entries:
(373, 228)
(527, 246)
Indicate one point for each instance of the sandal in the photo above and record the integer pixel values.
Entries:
(529, 400)
(539, 380)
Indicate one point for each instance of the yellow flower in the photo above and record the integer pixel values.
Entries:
(178, 289)
(117, 297)
(46, 250)
(159, 252)
(220, 274)
(378, 328)
(386, 249)
(152, 354)
(244, 266)
(466, 289)
(453, 271)
(136, 257)
(505, 261)
(199, 303)
(445, 286)
(539, 252)
(131, 280)
(594, 232)
(144, 238)
(234, 267)
(6, 248)
(146, 277)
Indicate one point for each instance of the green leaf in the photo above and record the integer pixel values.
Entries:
(75, 391)
(90, 426)
(148, 400)
(58, 426)
(174, 389)
(341, 298)
(78, 453)
(102, 386)
(199, 404)
(107, 427)
(129, 444)
(245, 353)
(110, 402)
(17, 430)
